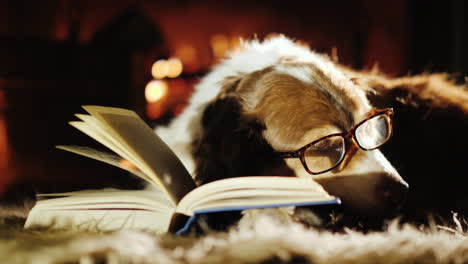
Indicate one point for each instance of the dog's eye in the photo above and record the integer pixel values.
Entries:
(333, 144)
(325, 154)
(321, 144)
(326, 143)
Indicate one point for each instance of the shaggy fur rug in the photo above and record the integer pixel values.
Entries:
(261, 239)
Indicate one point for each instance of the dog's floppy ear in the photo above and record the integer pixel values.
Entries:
(231, 144)
(436, 90)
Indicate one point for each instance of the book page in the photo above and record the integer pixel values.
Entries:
(158, 160)
(253, 191)
(107, 198)
(93, 128)
(108, 158)
(103, 210)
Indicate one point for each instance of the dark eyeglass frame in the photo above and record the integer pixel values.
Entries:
(299, 153)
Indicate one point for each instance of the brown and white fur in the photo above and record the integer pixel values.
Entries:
(278, 95)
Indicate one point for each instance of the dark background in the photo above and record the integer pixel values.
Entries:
(58, 55)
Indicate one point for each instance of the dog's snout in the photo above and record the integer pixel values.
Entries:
(371, 194)
(392, 192)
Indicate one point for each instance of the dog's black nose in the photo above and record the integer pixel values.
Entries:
(392, 193)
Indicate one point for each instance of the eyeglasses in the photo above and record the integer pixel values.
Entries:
(326, 153)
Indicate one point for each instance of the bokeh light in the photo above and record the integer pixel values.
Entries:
(160, 69)
(175, 67)
(155, 90)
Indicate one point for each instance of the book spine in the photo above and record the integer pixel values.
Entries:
(180, 223)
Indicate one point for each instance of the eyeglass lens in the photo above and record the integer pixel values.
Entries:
(374, 132)
(325, 154)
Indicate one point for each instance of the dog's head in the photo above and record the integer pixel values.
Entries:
(282, 107)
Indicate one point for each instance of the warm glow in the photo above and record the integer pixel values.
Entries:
(160, 69)
(7, 175)
(155, 110)
(220, 45)
(235, 42)
(155, 90)
(125, 164)
(187, 54)
(175, 67)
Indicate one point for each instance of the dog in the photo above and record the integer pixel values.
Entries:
(275, 97)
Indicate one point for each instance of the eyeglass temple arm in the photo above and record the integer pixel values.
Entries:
(287, 155)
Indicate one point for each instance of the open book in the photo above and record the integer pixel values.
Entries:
(174, 200)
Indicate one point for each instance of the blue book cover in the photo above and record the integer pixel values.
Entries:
(181, 224)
